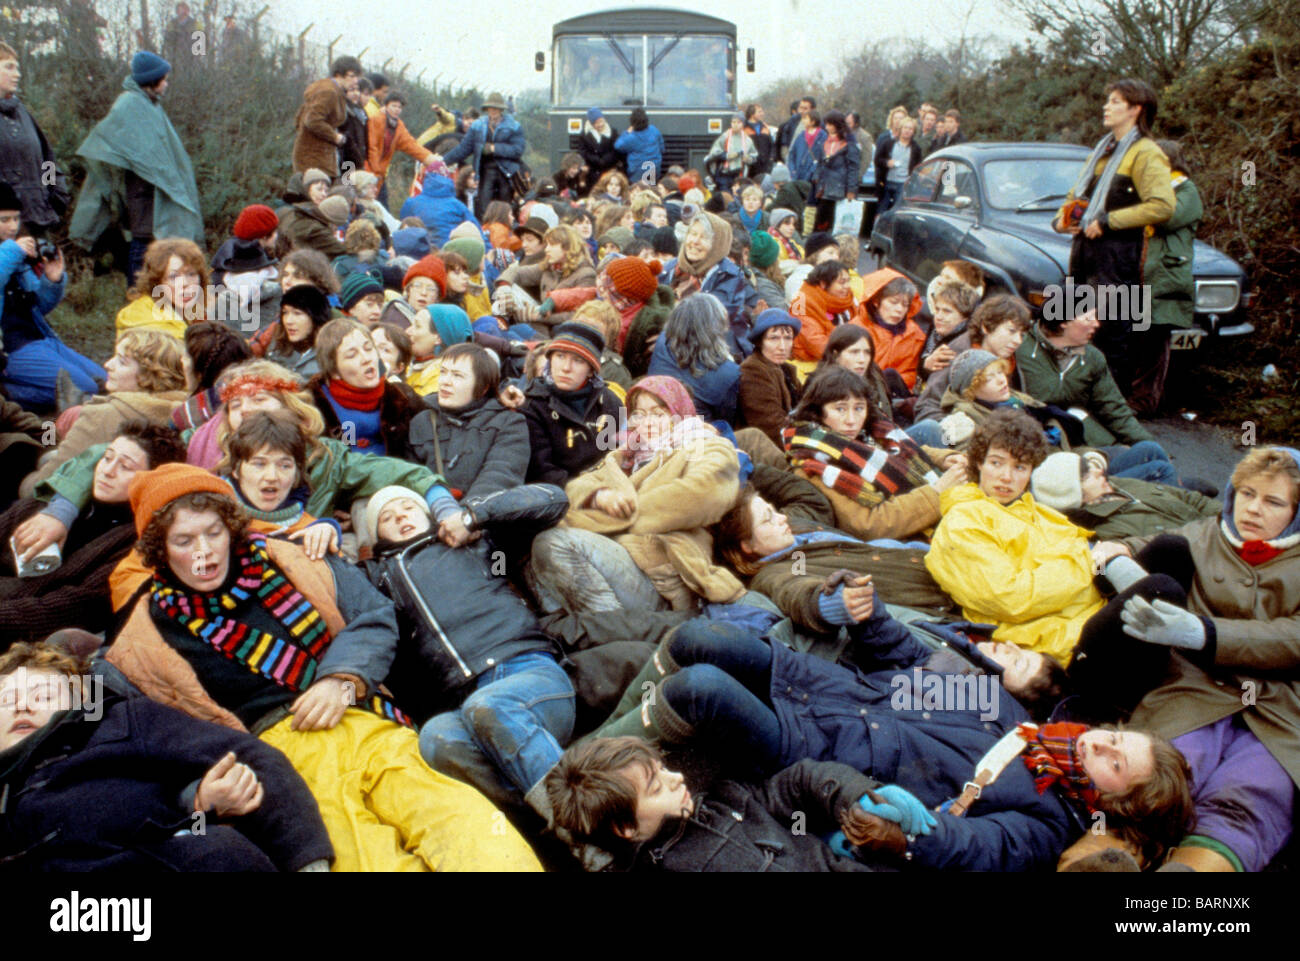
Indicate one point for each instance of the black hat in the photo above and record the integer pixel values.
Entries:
(8, 197)
(245, 256)
(818, 241)
(534, 225)
(310, 299)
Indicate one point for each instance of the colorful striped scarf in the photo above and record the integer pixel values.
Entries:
(288, 658)
(868, 472)
(1052, 760)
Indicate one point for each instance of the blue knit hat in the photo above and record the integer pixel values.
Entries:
(148, 68)
(451, 324)
(772, 317)
(594, 114)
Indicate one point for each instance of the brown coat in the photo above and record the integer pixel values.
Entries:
(163, 675)
(767, 394)
(323, 111)
(677, 496)
(1256, 615)
(98, 423)
(900, 517)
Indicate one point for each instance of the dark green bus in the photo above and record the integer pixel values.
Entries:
(680, 66)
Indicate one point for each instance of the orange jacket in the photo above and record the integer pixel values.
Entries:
(900, 352)
(377, 160)
(503, 238)
(817, 311)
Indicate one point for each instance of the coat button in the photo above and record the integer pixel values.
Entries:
(925, 715)
(555, 415)
(875, 725)
(491, 661)
(862, 710)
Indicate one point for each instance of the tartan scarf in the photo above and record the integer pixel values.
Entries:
(1052, 760)
(792, 250)
(889, 463)
(290, 657)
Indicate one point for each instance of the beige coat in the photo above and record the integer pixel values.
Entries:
(98, 423)
(678, 495)
(901, 517)
(1256, 615)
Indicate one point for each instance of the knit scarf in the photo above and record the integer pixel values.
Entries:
(355, 398)
(1255, 553)
(820, 304)
(682, 435)
(889, 463)
(792, 250)
(285, 515)
(1097, 198)
(290, 657)
(1052, 759)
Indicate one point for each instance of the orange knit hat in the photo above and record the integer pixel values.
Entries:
(152, 490)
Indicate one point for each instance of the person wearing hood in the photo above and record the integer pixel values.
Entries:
(98, 780)
(436, 205)
(823, 302)
(704, 267)
(29, 159)
(769, 384)
(596, 145)
(889, 307)
(1238, 631)
(572, 416)
(432, 330)
(479, 675)
(360, 408)
(136, 163)
(643, 146)
(315, 222)
(631, 286)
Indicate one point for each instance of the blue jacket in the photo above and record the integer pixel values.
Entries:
(642, 147)
(438, 207)
(715, 393)
(836, 178)
(802, 159)
(507, 140)
(17, 275)
(727, 282)
(836, 712)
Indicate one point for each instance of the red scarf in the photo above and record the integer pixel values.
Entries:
(1052, 760)
(1255, 553)
(353, 398)
(833, 145)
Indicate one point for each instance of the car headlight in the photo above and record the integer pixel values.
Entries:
(1217, 296)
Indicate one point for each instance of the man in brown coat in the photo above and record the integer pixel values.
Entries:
(324, 110)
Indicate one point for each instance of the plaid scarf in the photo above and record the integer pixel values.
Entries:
(792, 250)
(889, 463)
(289, 658)
(1052, 760)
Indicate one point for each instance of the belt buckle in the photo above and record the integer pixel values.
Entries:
(972, 786)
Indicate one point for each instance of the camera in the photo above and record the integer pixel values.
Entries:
(46, 250)
(39, 565)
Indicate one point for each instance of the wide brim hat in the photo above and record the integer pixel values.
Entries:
(494, 100)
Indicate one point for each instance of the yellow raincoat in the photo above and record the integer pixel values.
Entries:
(1023, 567)
(148, 314)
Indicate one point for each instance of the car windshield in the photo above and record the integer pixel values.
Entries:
(1012, 184)
(655, 70)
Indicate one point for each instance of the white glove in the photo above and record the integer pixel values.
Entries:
(1163, 623)
(957, 429)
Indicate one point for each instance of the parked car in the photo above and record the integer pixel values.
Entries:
(993, 204)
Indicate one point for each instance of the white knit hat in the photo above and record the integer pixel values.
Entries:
(381, 499)
(1056, 481)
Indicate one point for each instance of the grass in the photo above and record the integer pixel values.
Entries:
(86, 316)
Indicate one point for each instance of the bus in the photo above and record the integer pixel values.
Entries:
(680, 66)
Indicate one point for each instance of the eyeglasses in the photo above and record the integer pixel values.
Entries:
(422, 287)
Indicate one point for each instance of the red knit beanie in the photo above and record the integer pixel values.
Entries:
(687, 181)
(430, 266)
(633, 277)
(255, 222)
(150, 491)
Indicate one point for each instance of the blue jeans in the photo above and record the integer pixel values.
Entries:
(926, 432)
(723, 690)
(519, 715)
(889, 195)
(1146, 460)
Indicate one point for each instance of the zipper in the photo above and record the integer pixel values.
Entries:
(429, 618)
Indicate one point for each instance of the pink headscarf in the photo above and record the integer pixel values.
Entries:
(687, 427)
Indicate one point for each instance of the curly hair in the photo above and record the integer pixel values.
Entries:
(298, 402)
(995, 311)
(575, 249)
(161, 443)
(153, 542)
(361, 235)
(161, 358)
(313, 267)
(158, 256)
(1013, 431)
(213, 347)
(39, 657)
(612, 175)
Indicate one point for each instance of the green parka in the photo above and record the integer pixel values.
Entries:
(1169, 259)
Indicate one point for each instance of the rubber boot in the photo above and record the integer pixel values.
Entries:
(654, 720)
(660, 665)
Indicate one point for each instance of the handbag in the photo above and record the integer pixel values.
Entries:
(521, 182)
(848, 217)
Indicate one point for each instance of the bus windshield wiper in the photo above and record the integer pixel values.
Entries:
(618, 52)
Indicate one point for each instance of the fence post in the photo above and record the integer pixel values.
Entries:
(144, 38)
(329, 51)
(257, 27)
(302, 48)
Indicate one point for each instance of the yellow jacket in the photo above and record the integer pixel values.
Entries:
(446, 124)
(478, 302)
(1023, 567)
(146, 313)
(424, 380)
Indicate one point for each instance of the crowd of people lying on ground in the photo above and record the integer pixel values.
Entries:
(439, 543)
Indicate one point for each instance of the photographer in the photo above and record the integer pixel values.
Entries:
(31, 285)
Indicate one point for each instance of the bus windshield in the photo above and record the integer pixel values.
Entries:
(618, 70)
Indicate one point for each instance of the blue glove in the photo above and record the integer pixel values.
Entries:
(901, 807)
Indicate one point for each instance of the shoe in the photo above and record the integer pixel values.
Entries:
(1200, 485)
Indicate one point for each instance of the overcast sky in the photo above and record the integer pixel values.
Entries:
(490, 43)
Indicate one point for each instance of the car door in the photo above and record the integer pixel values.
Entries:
(949, 219)
(910, 215)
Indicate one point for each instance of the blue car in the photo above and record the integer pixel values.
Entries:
(993, 204)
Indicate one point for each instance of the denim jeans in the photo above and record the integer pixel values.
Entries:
(723, 691)
(1146, 460)
(579, 571)
(513, 725)
(927, 432)
(889, 195)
